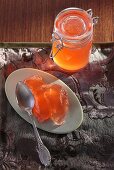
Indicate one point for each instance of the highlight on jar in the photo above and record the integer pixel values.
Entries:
(72, 38)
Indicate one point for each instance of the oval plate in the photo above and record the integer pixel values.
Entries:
(75, 115)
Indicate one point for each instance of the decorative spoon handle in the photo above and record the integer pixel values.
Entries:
(44, 154)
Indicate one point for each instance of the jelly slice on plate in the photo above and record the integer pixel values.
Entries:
(51, 100)
(58, 99)
(40, 110)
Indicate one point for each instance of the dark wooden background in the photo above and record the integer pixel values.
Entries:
(32, 20)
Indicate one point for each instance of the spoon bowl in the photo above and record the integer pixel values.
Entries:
(25, 98)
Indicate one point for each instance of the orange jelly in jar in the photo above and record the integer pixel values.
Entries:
(72, 39)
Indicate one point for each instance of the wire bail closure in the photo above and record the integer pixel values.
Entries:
(95, 19)
(57, 37)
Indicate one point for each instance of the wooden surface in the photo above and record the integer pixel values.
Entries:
(32, 20)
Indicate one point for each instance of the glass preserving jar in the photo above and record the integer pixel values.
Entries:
(72, 38)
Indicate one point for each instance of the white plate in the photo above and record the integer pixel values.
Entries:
(75, 115)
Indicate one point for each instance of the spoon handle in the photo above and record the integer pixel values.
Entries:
(43, 152)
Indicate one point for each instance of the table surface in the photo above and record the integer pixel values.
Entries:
(32, 20)
(89, 147)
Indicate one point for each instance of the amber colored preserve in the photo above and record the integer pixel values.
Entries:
(72, 39)
(51, 100)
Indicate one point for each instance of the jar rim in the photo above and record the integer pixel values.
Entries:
(75, 38)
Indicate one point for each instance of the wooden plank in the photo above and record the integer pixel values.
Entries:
(32, 20)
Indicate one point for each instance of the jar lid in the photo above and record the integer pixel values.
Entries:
(73, 24)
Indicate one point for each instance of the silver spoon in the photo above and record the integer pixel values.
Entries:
(26, 101)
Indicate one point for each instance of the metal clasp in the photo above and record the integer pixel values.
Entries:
(90, 12)
(95, 19)
(59, 46)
